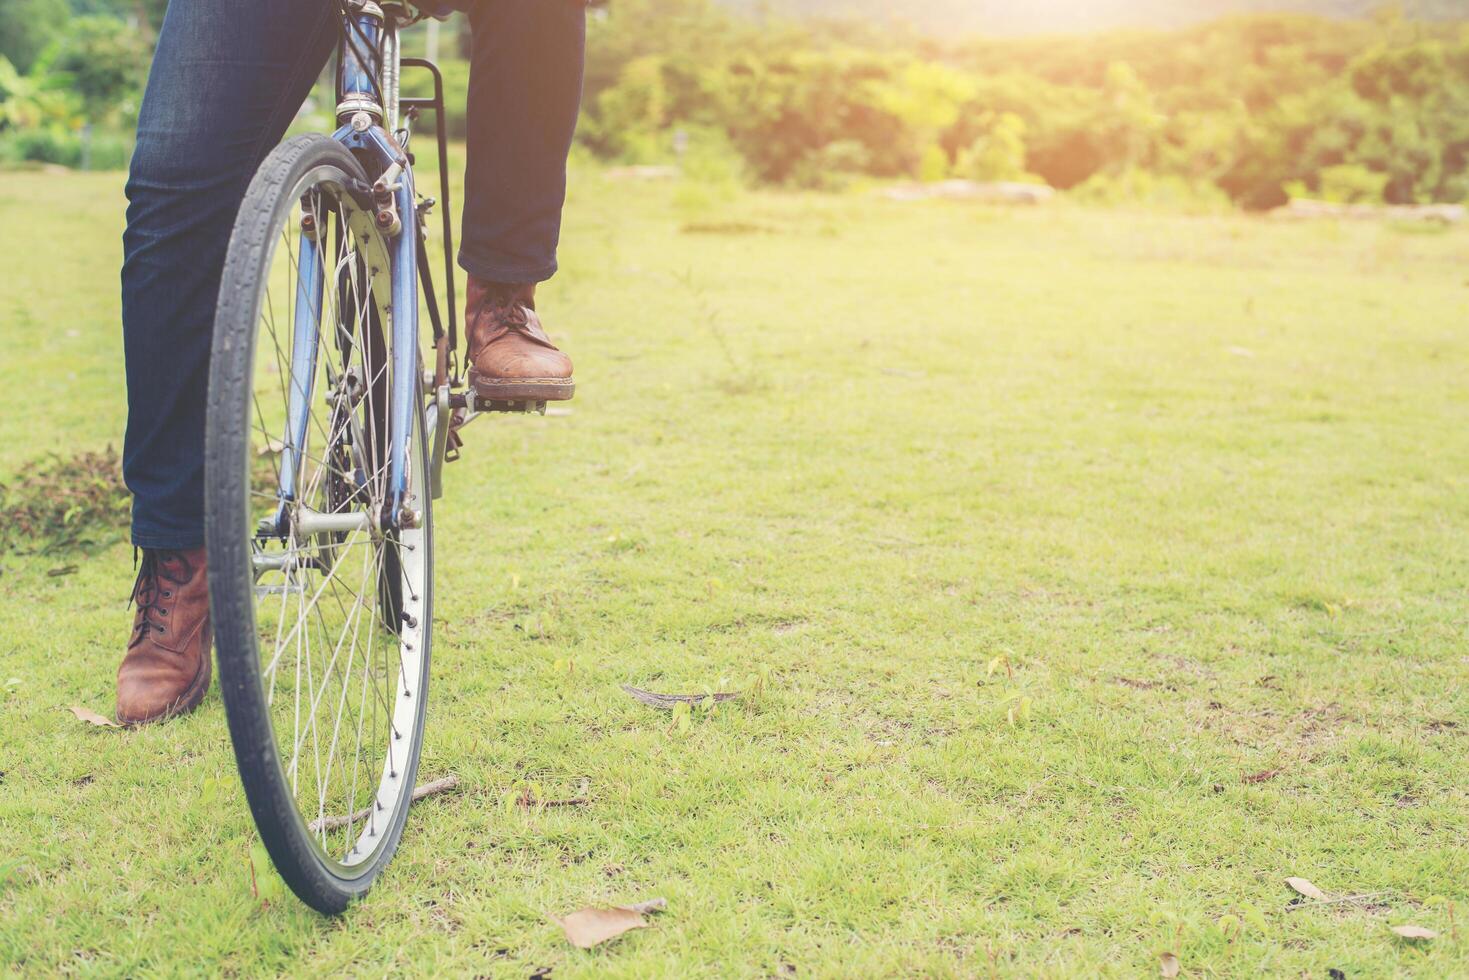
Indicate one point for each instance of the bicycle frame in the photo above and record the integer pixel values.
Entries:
(370, 125)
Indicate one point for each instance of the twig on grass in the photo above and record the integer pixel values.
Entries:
(1335, 901)
(667, 702)
(650, 906)
(427, 789)
(527, 798)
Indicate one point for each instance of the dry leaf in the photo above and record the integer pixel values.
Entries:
(1168, 965)
(92, 718)
(1261, 777)
(588, 927)
(1414, 932)
(1304, 887)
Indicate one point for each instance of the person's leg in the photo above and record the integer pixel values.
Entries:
(524, 94)
(226, 80)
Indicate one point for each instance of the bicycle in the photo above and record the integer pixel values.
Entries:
(326, 439)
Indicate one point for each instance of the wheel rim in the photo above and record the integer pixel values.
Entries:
(339, 605)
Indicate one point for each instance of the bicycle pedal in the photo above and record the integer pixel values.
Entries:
(518, 406)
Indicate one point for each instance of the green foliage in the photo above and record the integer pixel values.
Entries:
(712, 175)
(1345, 183)
(833, 167)
(419, 84)
(1246, 105)
(27, 26)
(1258, 107)
(1143, 188)
(998, 154)
(630, 115)
(102, 62)
(35, 103)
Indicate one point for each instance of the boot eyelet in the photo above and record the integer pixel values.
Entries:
(167, 595)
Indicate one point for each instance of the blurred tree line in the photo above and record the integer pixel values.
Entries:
(71, 76)
(1250, 108)
(1246, 109)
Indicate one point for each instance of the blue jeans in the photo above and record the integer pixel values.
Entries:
(227, 79)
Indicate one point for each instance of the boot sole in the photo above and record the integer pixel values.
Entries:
(192, 697)
(519, 390)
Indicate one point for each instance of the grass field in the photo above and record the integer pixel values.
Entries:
(1200, 484)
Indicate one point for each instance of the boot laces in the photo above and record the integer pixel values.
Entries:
(504, 310)
(151, 592)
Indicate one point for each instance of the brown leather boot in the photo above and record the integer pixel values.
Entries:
(511, 358)
(166, 669)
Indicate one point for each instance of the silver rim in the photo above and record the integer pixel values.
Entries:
(338, 603)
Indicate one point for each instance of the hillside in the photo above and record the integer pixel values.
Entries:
(1062, 16)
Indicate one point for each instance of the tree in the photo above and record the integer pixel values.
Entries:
(998, 155)
(33, 102)
(27, 26)
(102, 59)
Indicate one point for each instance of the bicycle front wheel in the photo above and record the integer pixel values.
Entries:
(322, 618)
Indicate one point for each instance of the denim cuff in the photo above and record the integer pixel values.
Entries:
(167, 541)
(496, 271)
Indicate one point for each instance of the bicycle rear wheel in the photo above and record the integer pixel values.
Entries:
(322, 619)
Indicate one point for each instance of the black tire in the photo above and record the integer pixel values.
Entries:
(299, 853)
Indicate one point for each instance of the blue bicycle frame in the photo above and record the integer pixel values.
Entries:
(368, 107)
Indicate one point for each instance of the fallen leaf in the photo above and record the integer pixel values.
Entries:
(1414, 932)
(589, 927)
(1168, 965)
(1261, 777)
(62, 571)
(1304, 887)
(92, 718)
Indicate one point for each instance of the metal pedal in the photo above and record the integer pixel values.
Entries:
(519, 407)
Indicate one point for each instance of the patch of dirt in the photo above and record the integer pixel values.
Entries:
(63, 503)
(1183, 664)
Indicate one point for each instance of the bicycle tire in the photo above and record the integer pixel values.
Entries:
(317, 877)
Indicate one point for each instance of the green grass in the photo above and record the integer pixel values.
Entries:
(1203, 483)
